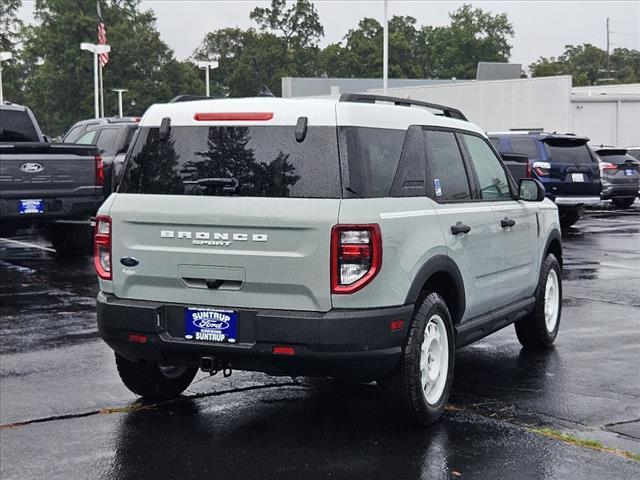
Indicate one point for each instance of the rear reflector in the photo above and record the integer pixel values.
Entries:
(396, 325)
(233, 116)
(99, 171)
(137, 338)
(283, 350)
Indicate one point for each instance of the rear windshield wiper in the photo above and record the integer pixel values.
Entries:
(229, 184)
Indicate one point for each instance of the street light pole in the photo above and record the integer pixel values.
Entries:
(96, 50)
(206, 66)
(120, 91)
(3, 56)
(385, 51)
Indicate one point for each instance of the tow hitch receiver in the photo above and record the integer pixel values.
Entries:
(213, 365)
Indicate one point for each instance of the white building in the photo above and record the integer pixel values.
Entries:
(608, 115)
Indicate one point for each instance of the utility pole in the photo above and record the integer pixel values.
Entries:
(3, 56)
(206, 66)
(385, 51)
(119, 91)
(96, 50)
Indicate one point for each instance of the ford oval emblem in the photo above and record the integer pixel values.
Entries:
(31, 167)
(129, 261)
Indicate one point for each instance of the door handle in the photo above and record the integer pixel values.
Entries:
(507, 222)
(459, 227)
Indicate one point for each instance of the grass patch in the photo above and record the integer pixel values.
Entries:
(584, 442)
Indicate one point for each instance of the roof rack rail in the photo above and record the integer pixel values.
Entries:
(404, 102)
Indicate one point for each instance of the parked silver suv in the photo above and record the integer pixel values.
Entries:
(362, 239)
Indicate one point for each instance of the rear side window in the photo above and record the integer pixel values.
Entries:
(525, 146)
(87, 138)
(16, 126)
(107, 140)
(446, 166)
(492, 177)
(265, 162)
(372, 156)
(568, 151)
(74, 134)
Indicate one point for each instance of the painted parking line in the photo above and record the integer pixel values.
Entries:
(28, 244)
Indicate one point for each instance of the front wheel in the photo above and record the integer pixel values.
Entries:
(419, 386)
(623, 202)
(152, 381)
(540, 328)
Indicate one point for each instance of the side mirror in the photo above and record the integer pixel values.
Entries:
(530, 190)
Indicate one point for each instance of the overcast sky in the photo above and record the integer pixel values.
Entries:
(542, 28)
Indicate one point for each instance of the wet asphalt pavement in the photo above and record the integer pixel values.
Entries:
(64, 413)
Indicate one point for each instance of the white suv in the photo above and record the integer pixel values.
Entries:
(365, 239)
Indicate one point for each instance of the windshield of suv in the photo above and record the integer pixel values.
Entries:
(568, 151)
(16, 126)
(253, 161)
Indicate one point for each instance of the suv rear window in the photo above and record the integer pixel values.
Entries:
(615, 158)
(266, 162)
(568, 151)
(16, 126)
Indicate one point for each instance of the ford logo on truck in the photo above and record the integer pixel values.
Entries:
(31, 167)
(217, 239)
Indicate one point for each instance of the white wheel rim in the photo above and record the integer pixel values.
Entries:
(551, 301)
(434, 359)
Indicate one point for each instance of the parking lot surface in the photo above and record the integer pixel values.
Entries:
(571, 412)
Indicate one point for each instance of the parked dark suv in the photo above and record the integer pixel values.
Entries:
(620, 176)
(564, 164)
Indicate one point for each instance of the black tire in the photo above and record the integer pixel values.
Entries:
(533, 330)
(623, 202)
(149, 381)
(71, 240)
(567, 219)
(402, 387)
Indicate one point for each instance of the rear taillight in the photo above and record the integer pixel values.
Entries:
(528, 171)
(99, 171)
(356, 256)
(607, 166)
(102, 247)
(542, 168)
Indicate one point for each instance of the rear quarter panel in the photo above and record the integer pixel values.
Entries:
(410, 236)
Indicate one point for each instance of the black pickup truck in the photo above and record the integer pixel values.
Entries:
(56, 186)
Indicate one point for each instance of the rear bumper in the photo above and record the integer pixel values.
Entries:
(576, 201)
(619, 191)
(338, 343)
(56, 208)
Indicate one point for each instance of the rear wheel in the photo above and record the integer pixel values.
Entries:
(419, 386)
(623, 202)
(152, 381)
(540, 328)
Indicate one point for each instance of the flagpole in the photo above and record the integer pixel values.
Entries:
(101, 94)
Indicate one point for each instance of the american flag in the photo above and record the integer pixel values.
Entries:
(102, 37)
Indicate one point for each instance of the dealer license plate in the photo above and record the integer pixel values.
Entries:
(210, 325)
(31, 206)
(577, 177)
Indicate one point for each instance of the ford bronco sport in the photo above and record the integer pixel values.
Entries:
(361, 239)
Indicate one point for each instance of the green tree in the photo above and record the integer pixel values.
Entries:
(431, 52)
(10, 28)
(59, 80)
(285, 45)
(587, 64)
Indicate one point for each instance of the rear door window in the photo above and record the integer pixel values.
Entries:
(265, 162)
(108, 139)
(16, 126)
(525, 146)
(445, 165)
(87, 138)
(74, 134)
(492, 177)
